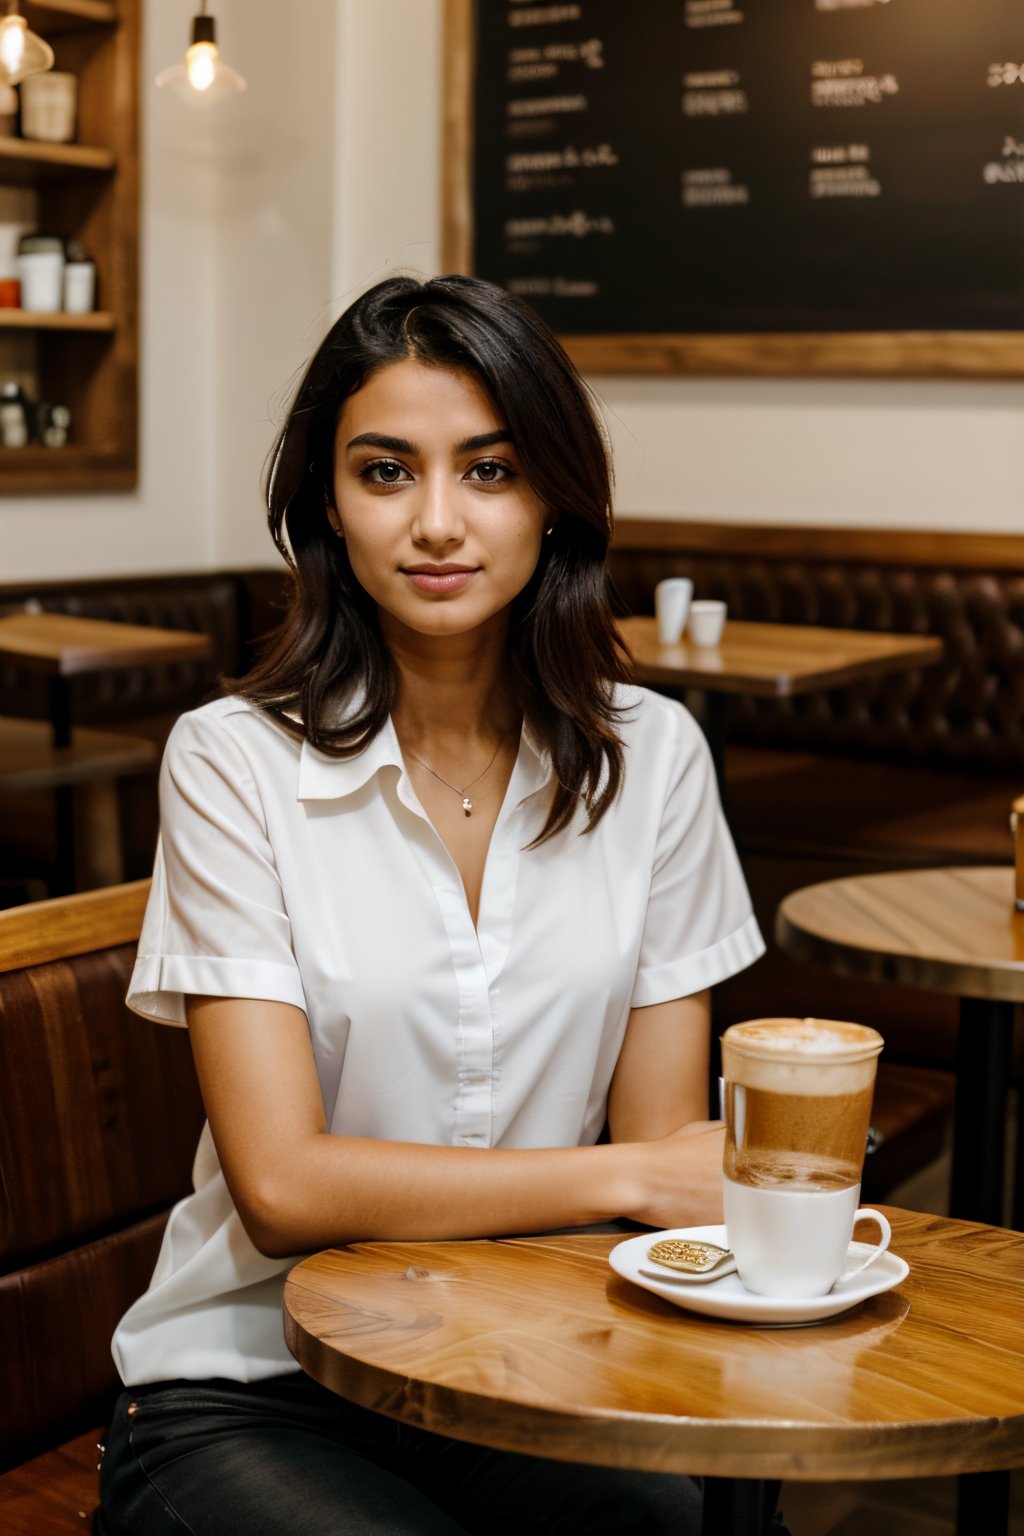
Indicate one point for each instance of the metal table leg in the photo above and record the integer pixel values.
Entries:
(983, 1504)
(713, 719)
(738, 1507)
(979, 1126)
(63, 795)
(1017, 1217)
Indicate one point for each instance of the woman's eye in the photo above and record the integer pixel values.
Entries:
(383, 472)
(491, 472)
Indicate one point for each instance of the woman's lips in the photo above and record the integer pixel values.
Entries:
(440, 578)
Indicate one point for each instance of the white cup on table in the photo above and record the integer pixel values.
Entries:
(706, 621)
(671, 607)
(798, 1243)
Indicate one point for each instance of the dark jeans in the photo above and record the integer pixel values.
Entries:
(286, 1457)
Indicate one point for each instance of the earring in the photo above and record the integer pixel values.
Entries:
(549, 531)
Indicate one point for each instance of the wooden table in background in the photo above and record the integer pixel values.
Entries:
(535, 1345)
(770, 660)
(62, 646)
(946, 930)
(88, 768)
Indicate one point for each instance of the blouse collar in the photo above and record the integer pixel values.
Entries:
(323, 777)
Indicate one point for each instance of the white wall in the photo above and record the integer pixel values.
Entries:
(387, 191)
(272, 246)
(262, 217)
(932, 455)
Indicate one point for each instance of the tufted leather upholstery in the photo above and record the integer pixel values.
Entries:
(965, 713)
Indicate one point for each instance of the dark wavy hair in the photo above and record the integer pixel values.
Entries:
(328, 663)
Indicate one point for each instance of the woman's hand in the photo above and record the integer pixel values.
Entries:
(678, 1177)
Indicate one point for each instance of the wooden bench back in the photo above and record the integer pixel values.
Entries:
(99, 1118)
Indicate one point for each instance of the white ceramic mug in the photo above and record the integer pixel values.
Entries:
(671, 606)
(797, 1242)
(706, 621)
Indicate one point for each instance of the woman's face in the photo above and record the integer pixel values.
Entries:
(441, 527)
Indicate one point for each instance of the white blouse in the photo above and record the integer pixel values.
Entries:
(286, 874)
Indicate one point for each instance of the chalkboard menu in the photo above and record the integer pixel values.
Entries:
(748, 168)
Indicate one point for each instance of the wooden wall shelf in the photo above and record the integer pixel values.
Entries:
(24, 161)
(87, 191)
(62, 15)
(30, 320)
(49, 471)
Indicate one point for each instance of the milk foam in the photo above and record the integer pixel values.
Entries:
(819, 1057)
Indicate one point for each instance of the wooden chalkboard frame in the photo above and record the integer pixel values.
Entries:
(911, 354)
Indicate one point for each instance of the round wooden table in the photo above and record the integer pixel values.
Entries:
(949, 930)
(536, 1345)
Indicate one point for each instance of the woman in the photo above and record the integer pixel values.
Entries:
(439, 896)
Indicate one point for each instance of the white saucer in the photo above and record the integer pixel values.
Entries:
(729, 1298)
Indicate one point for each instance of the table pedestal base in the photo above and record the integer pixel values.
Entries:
(737, 1507)
(984, 1045)
(982, 1503)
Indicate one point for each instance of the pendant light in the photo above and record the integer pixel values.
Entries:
(202, 76)
(22, 53)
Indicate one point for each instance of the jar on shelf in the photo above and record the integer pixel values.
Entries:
(79, 281)
(41, 271)
(53, 424)
(49, 103)
(13, 416)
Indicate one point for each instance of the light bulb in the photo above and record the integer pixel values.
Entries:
(201, 65)
(12, 43)
(22, 53)
(203, 77)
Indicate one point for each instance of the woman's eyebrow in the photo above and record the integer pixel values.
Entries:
(380, 440)
(403, 445)
(483, 440)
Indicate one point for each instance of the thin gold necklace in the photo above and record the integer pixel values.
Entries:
(463, 794)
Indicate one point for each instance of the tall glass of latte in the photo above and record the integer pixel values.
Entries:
(797, 1104)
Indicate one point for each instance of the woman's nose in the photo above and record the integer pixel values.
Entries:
(437, 520)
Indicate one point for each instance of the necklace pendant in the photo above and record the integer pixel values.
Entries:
(467, 805)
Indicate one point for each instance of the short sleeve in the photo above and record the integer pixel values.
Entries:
(699, 927)
(216, 923)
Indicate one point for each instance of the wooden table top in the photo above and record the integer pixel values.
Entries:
(535, 1345)
(949, 930)
(65, 644)
(773, 659)
(29, 760)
